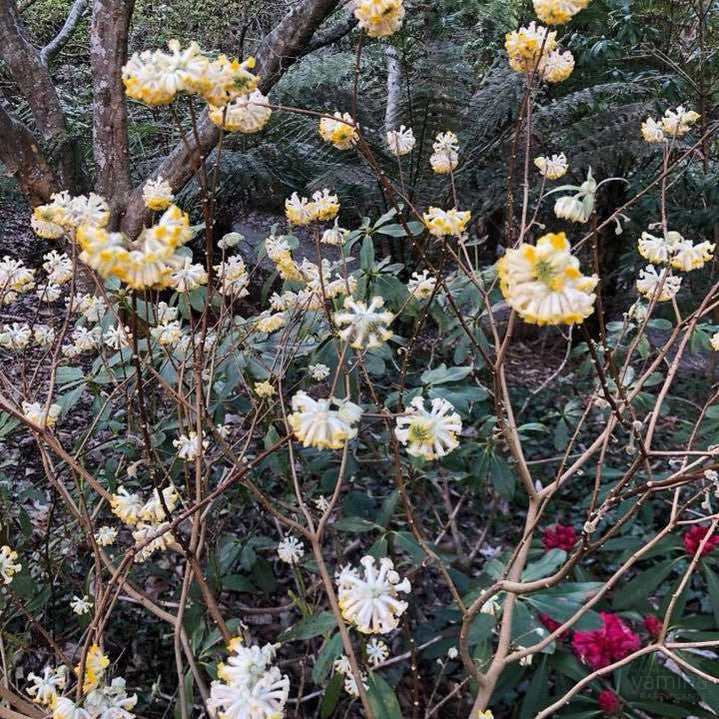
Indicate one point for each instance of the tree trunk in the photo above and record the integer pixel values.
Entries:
(108, 53)
(20, 154)
(33, 80)
(394, 88)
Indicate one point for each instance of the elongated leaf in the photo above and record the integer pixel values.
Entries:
(382, 698)
(311, 626)
(331, 649)
(635, 593)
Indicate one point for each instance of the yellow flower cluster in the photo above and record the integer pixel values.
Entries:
(95, 664)
(339, 130)
(156, 78)
(446, 222)
(379, 18)
(246, 113)
(324, 206)
(534, 49)
(544, 284)
(64, 214)
(157, 194)
(323, 423)
(558, 12)
(675, 123)
(552, 167)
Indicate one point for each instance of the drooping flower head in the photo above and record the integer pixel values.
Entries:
(402, 141)
(445, 155)
(441, 223)
(601, 647)
(658, 287)
(316, 424)
(370, 599)
(558, 12)
(339, 130)
(544, 284)
(246, 114)
(429, 434)
(8, 564)
(552, 167)
(379, 18)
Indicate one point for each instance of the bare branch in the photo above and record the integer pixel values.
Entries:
(50, 51)
(331, 34)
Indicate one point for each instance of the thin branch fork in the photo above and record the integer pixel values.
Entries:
(51, 50)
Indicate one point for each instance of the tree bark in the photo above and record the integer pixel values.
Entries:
(394, 88)
(279, 49)
(23, 160)
(33, 80)
(108, 53)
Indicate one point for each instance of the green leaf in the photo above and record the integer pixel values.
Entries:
(382, 698)
(237, 583)
(444, 374)
(311, 627)
(713, 586)
(331, 696)
(367, 254)
(543, 567)
(636, 592)
(330, 651)
(355, 524)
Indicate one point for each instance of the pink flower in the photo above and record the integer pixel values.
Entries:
(693, 538)
(552, 624)
(560, 537)
(609, 702)
(653, 625)
(600, 647)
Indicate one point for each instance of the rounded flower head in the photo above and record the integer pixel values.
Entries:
(316, 424)
(543, 283)
(402, 141)
(188, 277)
(126, 506)
(528, 45)
(44, 689)
(601, 647)
(298, 210)
(339, 130)
(371, 602)
(653, 625)
(366, 324)
(693, 538)
(318, 372)
(421, 285)
(609, 702)
(290, 550)
(248, 687)
(446, 222)
(39, 415)
(81, 605)
(652, 131)
(190, 446)
(560, 537)
(8, 564)
(676, 123)
(377, 651)
(232, 277)
(105, 536)
(658, 287)
(552, 167)
(67, 709)
(558, 12)
(379, 18)
(264, 389)
(445, 157)
(429, 433)
(157, 194)
(688, 256)
(247, 113)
